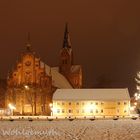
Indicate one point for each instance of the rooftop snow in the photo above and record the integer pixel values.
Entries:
(91, 94)
(58, 79)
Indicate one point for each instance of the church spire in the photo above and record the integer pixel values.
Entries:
(28, 44)
(66, 41)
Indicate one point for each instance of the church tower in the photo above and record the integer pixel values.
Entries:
(72, 72)
(28, 44)
(66, 53)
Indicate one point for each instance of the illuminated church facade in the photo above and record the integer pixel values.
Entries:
(31, 84)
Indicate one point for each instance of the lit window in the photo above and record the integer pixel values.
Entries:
(58, 110)
(63, 111)
(91, 111)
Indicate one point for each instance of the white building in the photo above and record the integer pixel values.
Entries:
(91, 102)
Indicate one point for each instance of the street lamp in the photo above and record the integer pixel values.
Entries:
(51, 108)
(135, 103)
(26, 87)
(12, 108)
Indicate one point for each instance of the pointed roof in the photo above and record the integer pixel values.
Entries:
(28, 44)
(66, 42)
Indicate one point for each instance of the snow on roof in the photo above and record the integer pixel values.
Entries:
(75, 68)
(91, 94)
(58, 79)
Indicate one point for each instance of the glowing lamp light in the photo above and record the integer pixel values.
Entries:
(132, 108)
(51, 105)
(26, 87)
(89, 107)
(54, 110)
(12, 107)
(137, 96)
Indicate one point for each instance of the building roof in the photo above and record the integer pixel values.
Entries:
(58, 80)
(75, 68)
(91, 94)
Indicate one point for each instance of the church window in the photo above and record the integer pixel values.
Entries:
(75, 81)
(27, 72)
(42, 109)
(63, 61)
(66, 61)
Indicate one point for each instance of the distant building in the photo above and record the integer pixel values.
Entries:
(91, 102)
(31, 84)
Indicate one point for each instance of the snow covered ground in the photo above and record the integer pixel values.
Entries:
(125, 129)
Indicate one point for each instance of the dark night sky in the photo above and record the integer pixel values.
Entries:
(105, 36)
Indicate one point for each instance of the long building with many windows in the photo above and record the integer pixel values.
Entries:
(91, 102)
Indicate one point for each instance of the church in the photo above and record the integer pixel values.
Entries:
(31, 84)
